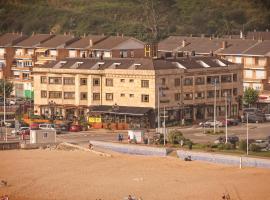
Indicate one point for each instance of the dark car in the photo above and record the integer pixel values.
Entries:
(75, 128)
(24, 131)
(231, 139)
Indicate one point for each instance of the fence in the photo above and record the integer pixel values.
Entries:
(225, 159)
(131, 149)
(9, 145)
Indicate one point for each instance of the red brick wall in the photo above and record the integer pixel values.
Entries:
(10, 52)
(138, 53)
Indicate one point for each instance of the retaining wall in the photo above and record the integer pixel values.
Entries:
(225, 159)
(9, 145)
(131, 149)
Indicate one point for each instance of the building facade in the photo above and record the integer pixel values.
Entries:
(132, 90)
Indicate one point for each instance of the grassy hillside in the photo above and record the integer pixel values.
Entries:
(144, 19)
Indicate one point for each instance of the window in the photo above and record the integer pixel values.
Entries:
(145, 98)
(145, 83)
(83, 96)
(25, 76)
(260, 74)
(248, 73)
(96, 96)
(177, 82)
(69, 80)
(228, 91)
(199, 95)
(123, 54)
(234, 77)
(43, 94)
(163, 81)
(199, 81)
(131, 95)
(83, 81)
(177, 96)
(43, 79)
(188, 81)
(109, 96)
(69, 95)
(234, 91)
(226, 78)
(96, 82)
(55, 94)
(188, 96)
(212, 79)
(122, 80)
(238, 59)
(122, 95)
(211, 93)
(55, 80)
(109, 82)
(131, 80)
(132, 54)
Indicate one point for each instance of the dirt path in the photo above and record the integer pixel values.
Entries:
(52, 174)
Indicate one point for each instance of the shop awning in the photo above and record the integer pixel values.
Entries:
(41, 50)
(121, 110)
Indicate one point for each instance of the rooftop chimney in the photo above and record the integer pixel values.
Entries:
(184, 43)
(21, 33)
(122, 35)
(267, 30)
(33, 33)
(84, 35)
(224, 44)
(202, 35)
(90, 42)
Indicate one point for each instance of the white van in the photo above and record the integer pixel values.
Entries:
(47, 126)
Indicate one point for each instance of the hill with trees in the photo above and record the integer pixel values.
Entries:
(148, 20)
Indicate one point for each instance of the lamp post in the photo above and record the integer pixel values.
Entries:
(226, 120)
(164, 126)
(247, 133)
(158, 108)
(5, 108)
(215, 102)
(115, 108)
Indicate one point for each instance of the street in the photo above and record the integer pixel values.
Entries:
(195, 133)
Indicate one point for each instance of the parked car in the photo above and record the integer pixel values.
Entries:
(75, 128)
(34, 126)
(262, 143)
(211, 123)
(267, 117)
(23, 131)
(222, 139)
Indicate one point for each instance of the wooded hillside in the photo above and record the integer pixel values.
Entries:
(144, 19)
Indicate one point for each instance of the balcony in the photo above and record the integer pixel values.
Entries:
(24, 57)
(45, 58)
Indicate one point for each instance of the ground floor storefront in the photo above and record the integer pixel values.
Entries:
(124, 117)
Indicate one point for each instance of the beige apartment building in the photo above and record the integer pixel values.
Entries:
(127, 90)
(253, 52)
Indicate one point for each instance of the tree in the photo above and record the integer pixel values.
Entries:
(251, 96)
(8, 88)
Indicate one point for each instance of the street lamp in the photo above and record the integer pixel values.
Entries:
(247, 133)
(215, 102)
(226, 120)
(115, 108)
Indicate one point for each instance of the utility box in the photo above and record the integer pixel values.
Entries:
(42, 136)
(136, 135)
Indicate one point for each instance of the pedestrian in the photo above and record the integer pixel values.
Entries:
(182, 143)
(119, 137)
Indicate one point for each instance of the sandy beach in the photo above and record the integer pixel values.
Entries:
(56, 174)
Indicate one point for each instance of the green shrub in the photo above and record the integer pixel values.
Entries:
(229, 146)
(254, 147)
(175, 137)
(243, 145)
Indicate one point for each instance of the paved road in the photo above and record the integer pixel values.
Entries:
(256, 131)
(195, 133)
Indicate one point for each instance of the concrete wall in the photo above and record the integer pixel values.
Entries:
(225, 159)
(131, 149)
(42, 136)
